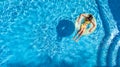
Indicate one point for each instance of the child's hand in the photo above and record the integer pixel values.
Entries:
(90, 30)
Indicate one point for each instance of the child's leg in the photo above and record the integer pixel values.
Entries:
(80, 34)
(77, 34)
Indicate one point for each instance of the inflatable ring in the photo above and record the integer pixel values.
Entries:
(77, 25)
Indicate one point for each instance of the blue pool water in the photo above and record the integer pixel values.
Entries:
(34, 33)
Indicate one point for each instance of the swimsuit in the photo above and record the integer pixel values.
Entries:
(85, 24)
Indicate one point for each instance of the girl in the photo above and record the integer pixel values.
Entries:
(88, 20)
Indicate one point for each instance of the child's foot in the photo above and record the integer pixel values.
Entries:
(73, 38)
(76, 40)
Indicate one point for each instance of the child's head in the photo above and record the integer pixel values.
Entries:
(89, 18)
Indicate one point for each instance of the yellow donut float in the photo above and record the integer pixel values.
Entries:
(82, 19)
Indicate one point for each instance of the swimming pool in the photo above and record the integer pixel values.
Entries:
(29, 34)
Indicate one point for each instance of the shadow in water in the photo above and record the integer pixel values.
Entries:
(116, 16)
(111, 48)
(118, 58)
(17, 64)
(105, 38)
(64, 28)
(114, 7)
(64, 63)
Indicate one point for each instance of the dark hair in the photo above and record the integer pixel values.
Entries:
(90, 17)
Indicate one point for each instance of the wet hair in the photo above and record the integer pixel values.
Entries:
(89, 18)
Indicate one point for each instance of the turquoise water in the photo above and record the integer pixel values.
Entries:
(28, 36)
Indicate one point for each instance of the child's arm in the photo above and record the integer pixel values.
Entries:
(82, 15)
(93, 23)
